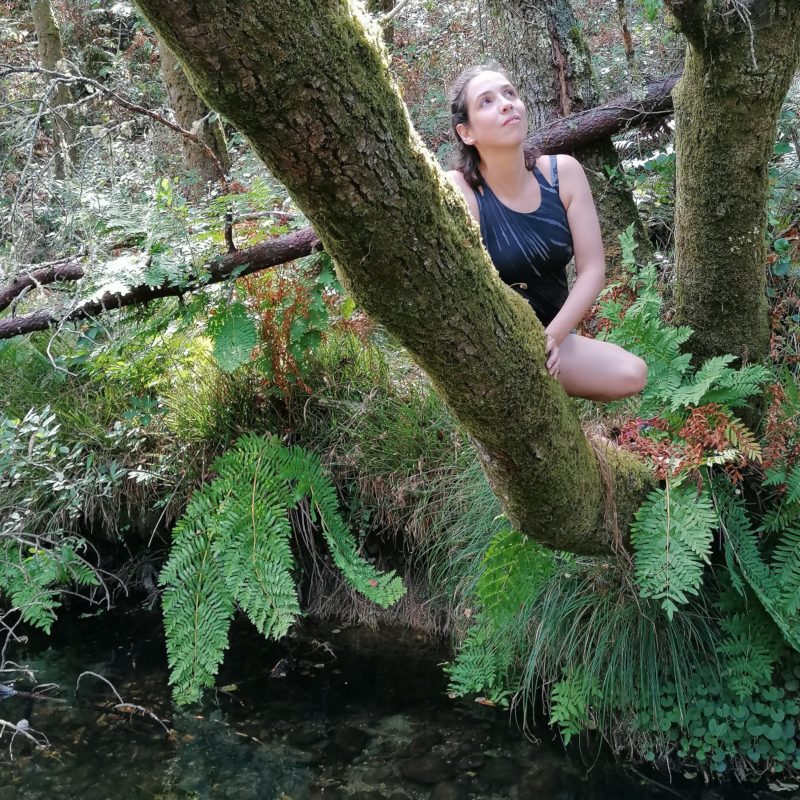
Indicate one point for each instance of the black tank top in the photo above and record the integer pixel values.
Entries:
(530, 250)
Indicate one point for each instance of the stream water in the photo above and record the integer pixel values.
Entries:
(332, 713)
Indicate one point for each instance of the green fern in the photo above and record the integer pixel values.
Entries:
(483, 665)
(671, 384)
(232, 547)
(514, 567)
(571, 700)
(747, 566)
(750, 650)
(512, 571)
(672, 541)
(234, 336)
(786, 569)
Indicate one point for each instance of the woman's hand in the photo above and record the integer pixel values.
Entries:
(551, 351)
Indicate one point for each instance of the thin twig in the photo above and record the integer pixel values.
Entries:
(122, 705)
(390, 15)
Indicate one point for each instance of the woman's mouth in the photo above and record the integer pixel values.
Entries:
(510, 120)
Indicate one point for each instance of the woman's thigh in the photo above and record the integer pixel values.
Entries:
(599, 370)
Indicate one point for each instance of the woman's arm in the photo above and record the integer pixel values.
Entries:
(590, 263)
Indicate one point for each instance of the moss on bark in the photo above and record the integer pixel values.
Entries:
(309, 86)
(736, 76)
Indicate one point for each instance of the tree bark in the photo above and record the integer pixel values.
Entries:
(189, 111)
(740, 60)
(50, 54)
(542, 44)
(308, 85)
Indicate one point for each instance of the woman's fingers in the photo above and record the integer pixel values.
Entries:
(551, 350)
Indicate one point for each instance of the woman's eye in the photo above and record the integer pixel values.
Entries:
(510, 92)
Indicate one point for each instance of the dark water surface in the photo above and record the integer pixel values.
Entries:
(333, 713)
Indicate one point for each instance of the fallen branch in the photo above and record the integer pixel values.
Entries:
(242, 262)
(576, 130)
(66, 270)
(22, 728)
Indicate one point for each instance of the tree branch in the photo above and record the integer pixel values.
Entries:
(65, 270)
(64, 78)
(577, 130)
(242, 262)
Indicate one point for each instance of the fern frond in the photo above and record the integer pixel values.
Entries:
(514, 567)
(483, 663)
(197, 609)
(750, 650)
(694, 392)
(672, 541)
(786, 569)
(745, 557)
(383, 588)
(233, 545)
(234, 336)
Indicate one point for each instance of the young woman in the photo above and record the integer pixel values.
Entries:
(535, 213)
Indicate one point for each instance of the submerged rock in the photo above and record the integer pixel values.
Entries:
(345, 745)
(426, 770)
(378, 774)
(423, 742)
(501, 772)
(448, 790)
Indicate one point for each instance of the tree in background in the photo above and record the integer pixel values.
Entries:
(50, 55)
(192, 114)
(740, 60)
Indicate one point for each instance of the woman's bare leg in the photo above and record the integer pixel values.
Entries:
(599, 370)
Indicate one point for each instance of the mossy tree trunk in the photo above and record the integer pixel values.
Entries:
(190, 112)
(740, 60)
(541, 43)
(50, 55)
(309, 85)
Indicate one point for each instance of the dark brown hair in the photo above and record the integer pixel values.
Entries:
(466, 157)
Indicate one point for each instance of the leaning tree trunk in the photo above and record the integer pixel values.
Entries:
(740, 60)
(191, 111)
(306, 83)
(540, 41)
(50, 54)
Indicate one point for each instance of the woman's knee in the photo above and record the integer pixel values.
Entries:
(634, 375)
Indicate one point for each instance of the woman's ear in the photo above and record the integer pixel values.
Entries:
(463, 131)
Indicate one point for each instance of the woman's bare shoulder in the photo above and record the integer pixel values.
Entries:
(468, 192)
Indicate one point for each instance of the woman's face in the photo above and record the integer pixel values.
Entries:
(497, 117)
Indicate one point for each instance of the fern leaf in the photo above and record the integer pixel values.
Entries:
(742, 540)
(514, 566)
(234, 336)
(672, 541)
